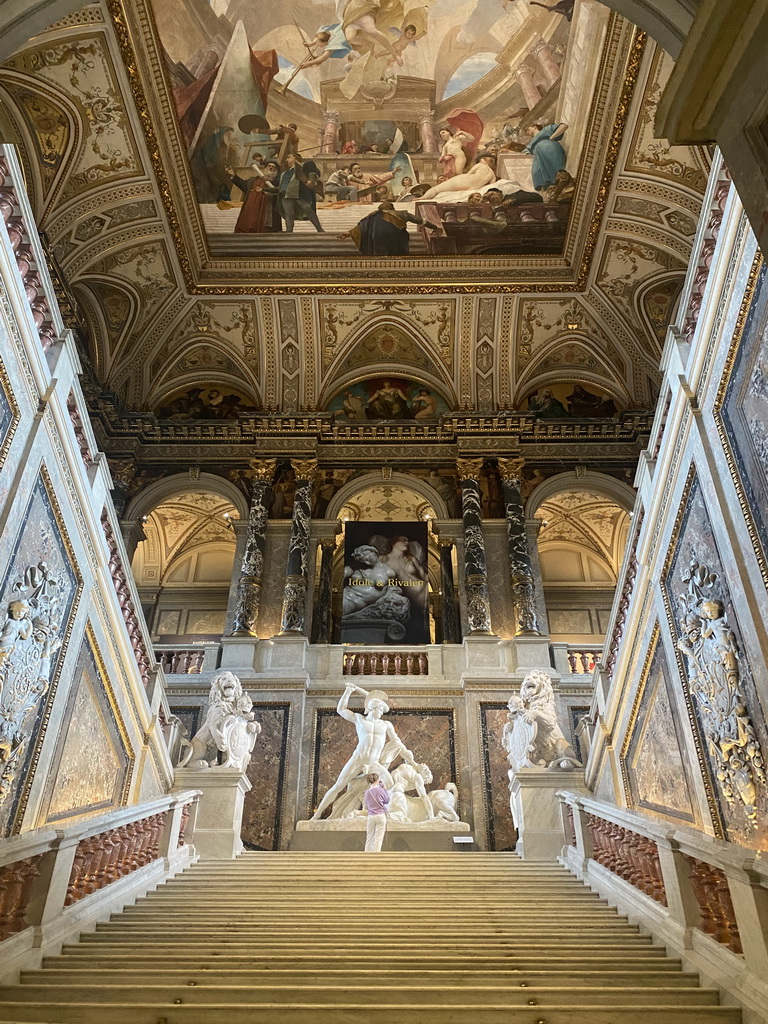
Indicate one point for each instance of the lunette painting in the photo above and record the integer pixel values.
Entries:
(340, 128)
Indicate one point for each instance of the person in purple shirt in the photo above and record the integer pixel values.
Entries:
(376, 802)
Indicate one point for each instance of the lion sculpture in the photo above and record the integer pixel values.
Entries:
(532, 736)
(229, 725)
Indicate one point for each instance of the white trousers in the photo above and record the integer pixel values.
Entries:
(375, 828)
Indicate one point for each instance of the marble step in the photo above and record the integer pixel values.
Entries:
(360, 922)
(150, 973)
(142, 1012)
(379, 995)
(228, 944)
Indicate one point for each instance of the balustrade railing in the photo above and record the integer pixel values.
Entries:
(698, 885)
(386, 663)
(46, 872)
(181, 661)
(583, 660)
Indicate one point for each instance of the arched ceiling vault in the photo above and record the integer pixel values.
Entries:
(100, 197)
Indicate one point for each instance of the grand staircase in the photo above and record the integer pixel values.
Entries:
(389, 938)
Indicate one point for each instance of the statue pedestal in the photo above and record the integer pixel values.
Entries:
(220, 811)
(537, 812)
(349, 834)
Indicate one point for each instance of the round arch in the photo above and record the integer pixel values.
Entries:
(599, 483)
(161, 490)
(412, 483)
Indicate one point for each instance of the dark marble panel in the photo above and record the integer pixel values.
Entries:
(575, 714)
(654, 762)
(9, 414)
(262, 813)
(41, 571)
(745, 410)
(696, 584)
(189, 718)
(501, 831)
(91, 765)
(429, 733)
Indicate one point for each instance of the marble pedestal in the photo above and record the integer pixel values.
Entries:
(347, 834)
(220, 810)
(537, 811)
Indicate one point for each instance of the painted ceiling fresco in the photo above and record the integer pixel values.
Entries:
(301, 119)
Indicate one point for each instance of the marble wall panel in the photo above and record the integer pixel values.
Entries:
(41, 571)
(744, 413)
(9, 413)
(189, 717)
(575, 714)
(262, 814)
(501, 833)
(652, 759)
(91, 767)
(719, 680)
(429, 732)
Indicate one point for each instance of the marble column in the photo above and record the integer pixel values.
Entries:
(249, 584)
(428, 136)
(475, 572)
(330, 139)
(543, 54)
(531, 93)
(296, 573)
(451, 630)
(520, 568)
(321, 619)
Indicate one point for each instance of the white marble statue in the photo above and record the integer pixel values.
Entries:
(424, 807)
(377, 747)
(532, 736)
(229, 724)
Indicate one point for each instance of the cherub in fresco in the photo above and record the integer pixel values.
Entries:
(359, 24)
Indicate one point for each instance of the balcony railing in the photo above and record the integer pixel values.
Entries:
(386, 663)
(188, 660)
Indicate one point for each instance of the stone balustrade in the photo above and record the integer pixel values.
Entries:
(185, 661)
(386, 663)
(583, 660)
(27, 249)
(703, 897)
(52, 880)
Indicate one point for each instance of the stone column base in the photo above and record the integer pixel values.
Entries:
(537, 812)
(220, 811)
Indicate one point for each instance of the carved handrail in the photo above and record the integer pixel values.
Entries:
(386, 663)
(126, 602)
(96, 854)
(19, 225)
(629, 855)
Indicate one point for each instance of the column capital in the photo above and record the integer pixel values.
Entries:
(511, 470)
(469, 469)
(327, 542)
(262, 470)
(446, 542)
(305, 469)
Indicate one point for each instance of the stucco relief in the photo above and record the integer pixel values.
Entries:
(652, 758)
(744, 413)
(91, 767)
(37, 596)
(720, 683)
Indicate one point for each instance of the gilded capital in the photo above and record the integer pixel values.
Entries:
(446, 542)
(511, 470)
(469, 469)
(304, 469)
(262, 469)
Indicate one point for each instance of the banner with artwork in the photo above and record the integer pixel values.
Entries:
(385, 599)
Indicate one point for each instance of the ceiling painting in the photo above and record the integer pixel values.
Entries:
(344, 128)
(387, 398)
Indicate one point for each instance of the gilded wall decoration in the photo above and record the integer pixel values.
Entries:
(682, 164)
(626, 264)
(82, 69)
(428, 732)
(92, 764)
(719, 679)
(38, 595)
(263, 810)
(652, 759)
(500, 830)
(146, 268)
(9, 414)
(742, 414)
(50, 129)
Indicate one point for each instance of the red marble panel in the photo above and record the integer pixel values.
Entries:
(263, 805)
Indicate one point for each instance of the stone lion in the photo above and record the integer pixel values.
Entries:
(532, 736)
(229, 724)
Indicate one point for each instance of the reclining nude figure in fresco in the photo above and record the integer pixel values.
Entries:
(377, 746)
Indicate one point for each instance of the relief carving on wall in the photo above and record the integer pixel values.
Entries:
(29, 636)
(714, 675)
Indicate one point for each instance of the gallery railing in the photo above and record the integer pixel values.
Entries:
(693, 891)
(188, 660)
(576, 659)
(386, 663)
(49, 878)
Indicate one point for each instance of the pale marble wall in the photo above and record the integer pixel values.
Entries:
(683, 719)
(82, 734)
